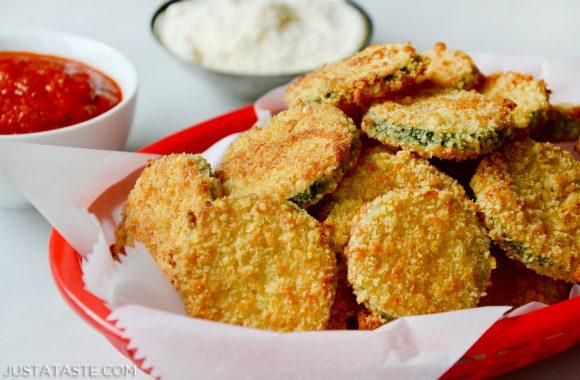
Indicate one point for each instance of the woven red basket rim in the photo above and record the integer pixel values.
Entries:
(506, 335)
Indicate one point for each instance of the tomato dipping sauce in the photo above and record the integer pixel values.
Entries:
(42, 92)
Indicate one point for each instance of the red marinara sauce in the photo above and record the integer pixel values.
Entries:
(42, 92)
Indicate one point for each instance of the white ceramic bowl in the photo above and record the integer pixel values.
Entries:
(247, 86)
(106, 131)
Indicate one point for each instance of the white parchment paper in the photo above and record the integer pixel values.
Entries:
(81, 191)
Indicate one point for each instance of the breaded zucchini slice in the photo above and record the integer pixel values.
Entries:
(377, 172)
(563, 124)
(446, 123)
(299, 155)
(531, 96)
(418, 251)
(529, 193)
(257, 262)
(372, 73)
(157, 211)
(515, 285)
(451, 68)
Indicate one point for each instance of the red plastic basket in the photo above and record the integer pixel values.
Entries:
(509, 344)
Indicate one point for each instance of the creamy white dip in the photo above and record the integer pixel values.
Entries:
(261, 36)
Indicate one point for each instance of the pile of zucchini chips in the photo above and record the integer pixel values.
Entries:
(397, 183)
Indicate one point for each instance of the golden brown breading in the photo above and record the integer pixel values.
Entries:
(418, 251)
(361, 78)
(451, 68)
(530, 95)
(158, 208)
(257, 262)
(512, 284)
(299, 155)
(368, 320)
(530, 195)
(445, 123)
(344, 311)
(563, 124)
(378, 171)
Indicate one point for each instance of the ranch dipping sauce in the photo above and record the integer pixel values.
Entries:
(261, 37)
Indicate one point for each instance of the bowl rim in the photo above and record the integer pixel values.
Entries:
(369, 27)
(128, 94)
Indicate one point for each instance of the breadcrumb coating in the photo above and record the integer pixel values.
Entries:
(377, 172)
(344, 311)
(531, 96)
(529, 193)
(418, 251)
(451, 68)
(399, 237)
(361, 78)
(512, 284)
(368, 320)
(257, 262)
(563, 124)
(446, 123)
(299, 155)
(157, 211)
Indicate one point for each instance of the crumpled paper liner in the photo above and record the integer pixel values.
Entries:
(81, 192)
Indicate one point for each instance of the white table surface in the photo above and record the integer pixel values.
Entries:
(36, 325)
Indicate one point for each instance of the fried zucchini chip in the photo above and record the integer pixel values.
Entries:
(529, 193)
(377, 172)
(363, 77)
(451, 68)
(512, 284)
(418, 251)
(446, 123)
(300, 155)
(157, 211)
(531, 96)
(257, 262)
(563, 124)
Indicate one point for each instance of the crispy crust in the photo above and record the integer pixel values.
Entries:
(378, 171)
(257, 262)
(512, 284)
(368, 320)
(446, 123)
(158, 208)
(563, 124)
(451, 68)
(530, 195)
(300, 155)
(344, 311)
(531, 96)
(363, 77)
(417, 252)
